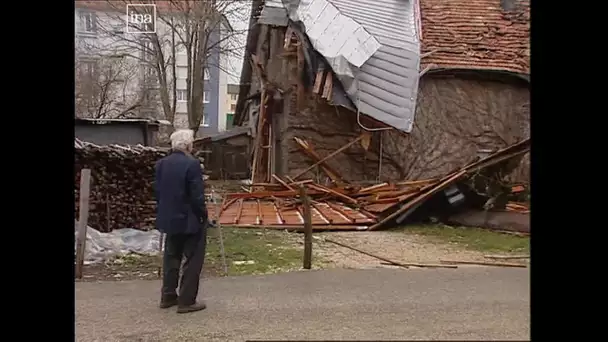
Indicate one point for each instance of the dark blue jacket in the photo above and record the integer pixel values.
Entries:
(180, 195)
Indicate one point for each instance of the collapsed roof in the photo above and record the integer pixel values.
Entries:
(372, 47)
(379, 49)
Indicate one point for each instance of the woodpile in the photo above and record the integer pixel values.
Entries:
(122, 195)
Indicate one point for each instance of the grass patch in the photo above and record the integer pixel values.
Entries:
(477, 239)
(250, 251)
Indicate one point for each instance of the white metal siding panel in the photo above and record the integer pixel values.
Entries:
(388, 81)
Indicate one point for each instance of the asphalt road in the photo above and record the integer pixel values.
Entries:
(472, 303)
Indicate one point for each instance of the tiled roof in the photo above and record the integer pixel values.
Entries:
(476, 34)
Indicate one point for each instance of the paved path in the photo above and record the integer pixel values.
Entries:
(467, 303)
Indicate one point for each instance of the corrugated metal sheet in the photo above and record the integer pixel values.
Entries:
(387, 83)
(372, 46)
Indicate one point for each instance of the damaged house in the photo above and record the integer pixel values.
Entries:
(376, 90)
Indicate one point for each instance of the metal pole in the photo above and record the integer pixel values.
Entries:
(219, 228)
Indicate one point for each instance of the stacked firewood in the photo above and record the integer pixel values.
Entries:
(122, 194)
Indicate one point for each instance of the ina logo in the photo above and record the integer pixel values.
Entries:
(141, 18)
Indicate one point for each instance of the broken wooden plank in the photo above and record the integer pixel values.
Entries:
(278, 211)
(391, 262)
(318, 81)
(260, 213)
(288, 36)
(262, 194)
(419, 182)
(300, 87)
(258, 137)
(333, 192)
(373, 188)
(239, 212)
(309, 150)
(307, 181)
(416, 264)
(327, 89)
(282, 182)
(341, 149)
(483, 263)
(420, 198)
(506, 257)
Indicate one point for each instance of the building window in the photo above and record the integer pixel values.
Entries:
(87, 22)
(181, 95)
(233, 97)
(233, 107)
(229, 120)
(147, 50)
(150, 76)
(88, 68)
(205, 120)
(206, 74)
(206, 97)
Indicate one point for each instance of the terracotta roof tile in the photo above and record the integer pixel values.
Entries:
(476, 34)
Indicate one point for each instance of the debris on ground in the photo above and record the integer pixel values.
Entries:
(345, 206)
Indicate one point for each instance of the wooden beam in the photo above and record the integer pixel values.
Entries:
(316, 89)
(282, 182)
(343, 148)
(327, 89)
(83, 217)
(307, 260)
(288, 35)
(309, 150)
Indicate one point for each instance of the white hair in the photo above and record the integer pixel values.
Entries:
(182, 139)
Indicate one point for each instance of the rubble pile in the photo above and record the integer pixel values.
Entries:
(347, 206)
(122, 194)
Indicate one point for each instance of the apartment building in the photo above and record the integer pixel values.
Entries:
(129, 84)
(227, 116)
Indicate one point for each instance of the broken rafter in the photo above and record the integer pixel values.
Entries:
(318, 86)
(239, 212)
(327, 89)
(282, 182)
(260, 214)
(345, 198)
(309, 150)
(333, 154)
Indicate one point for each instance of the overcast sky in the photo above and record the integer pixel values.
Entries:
(239, 19)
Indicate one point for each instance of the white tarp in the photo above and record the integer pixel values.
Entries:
(100, 246)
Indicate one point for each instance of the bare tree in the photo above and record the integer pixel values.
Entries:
(102, 88)
(197, 31)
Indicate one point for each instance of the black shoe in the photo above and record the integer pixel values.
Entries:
(167, 302)
(191, 308)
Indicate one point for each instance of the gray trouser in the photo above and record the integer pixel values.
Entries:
(192, 248)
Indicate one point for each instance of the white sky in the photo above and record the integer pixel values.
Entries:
(239, 19)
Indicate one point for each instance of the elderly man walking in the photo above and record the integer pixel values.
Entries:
(182, 216)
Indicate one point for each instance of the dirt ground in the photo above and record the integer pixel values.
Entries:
(393, 245)
(396, 245)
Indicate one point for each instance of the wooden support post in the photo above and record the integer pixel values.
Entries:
(108, 212)
(83, 217)
(307, 262)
